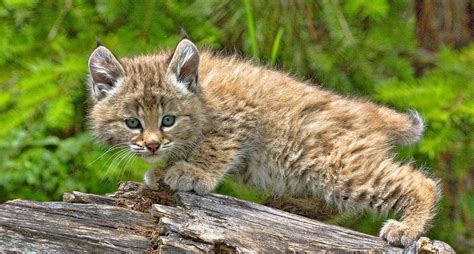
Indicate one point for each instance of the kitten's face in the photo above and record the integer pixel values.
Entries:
(148, 104)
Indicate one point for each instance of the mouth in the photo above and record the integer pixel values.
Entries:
(151, 158)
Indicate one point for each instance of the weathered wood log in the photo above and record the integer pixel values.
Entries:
(138, 219)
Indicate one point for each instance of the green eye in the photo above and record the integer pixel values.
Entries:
(133, 123)
(168, 120)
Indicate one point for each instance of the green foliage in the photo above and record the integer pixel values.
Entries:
(347, 46)
(357, 47)
(235, 188)
(251, 28)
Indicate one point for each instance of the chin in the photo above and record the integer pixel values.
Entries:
(152, 158)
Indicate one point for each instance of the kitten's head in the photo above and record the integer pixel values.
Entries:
(149, 104)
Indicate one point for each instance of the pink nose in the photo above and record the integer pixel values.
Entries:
(153, 147)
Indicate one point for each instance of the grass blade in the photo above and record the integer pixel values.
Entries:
(276, 45)
(251, 29)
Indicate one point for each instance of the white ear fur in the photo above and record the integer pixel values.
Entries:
(183, 67)
(105, 72)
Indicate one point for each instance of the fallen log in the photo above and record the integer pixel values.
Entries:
(139, 219)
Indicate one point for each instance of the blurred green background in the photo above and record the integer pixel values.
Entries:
(365, 48)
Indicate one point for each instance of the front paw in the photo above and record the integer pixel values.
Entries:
(398, 233)
(152, 178)
(184, 177)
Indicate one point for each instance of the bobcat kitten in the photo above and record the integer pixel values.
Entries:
(282, 135)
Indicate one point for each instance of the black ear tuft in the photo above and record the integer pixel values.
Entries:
(98, 42)
(184, 34)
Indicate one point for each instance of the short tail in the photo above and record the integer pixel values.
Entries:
(414, 131)
(403, 129)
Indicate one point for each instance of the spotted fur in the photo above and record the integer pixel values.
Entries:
(282, 135)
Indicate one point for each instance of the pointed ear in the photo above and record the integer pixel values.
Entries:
(104, 70)
(183, 67)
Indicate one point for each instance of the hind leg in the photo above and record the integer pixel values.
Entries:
(386, 186)
(417, 199)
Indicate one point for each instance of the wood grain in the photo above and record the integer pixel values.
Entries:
(140, 220)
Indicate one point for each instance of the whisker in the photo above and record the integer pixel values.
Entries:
(125, 162)
(130, 163)
(110, 149)
(114, 158)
